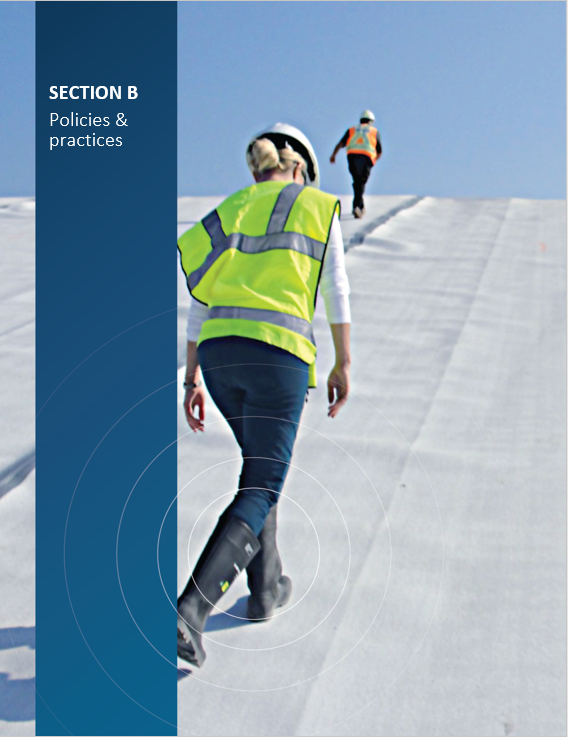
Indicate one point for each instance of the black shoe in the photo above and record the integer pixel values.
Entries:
(269, 589)
(229, 550)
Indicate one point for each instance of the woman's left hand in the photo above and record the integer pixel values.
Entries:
(194, 402)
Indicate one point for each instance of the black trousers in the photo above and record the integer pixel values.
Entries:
(360, 166)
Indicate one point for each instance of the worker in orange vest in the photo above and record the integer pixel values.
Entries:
(363, 146)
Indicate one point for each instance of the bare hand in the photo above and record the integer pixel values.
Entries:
(332, 159)
(193, 402)
(337, 389)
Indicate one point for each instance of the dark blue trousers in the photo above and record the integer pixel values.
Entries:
(261, 391)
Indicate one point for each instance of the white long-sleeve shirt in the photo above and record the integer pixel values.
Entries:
(333, 287)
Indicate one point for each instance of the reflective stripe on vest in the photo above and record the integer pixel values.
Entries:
(274, 239)
(282, 208)
(270, 296)
(363, 140)
(256, 244)
(282, 319)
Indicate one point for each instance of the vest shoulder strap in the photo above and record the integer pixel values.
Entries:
(283, 207)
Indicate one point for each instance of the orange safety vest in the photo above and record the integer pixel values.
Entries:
(363, 140)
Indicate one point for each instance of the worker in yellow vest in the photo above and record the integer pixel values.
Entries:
(253, 267)
(363, 145)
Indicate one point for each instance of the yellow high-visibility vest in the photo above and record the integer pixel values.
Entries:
(363, 140)
(256, 262)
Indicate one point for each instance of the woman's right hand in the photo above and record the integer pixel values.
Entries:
(194, 402)
(338, 381)
(337, 388)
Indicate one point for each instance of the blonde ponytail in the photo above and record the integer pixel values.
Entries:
(263, 156)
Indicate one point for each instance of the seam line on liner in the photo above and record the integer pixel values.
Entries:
(360, 235)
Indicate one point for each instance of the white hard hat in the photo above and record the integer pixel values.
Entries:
(367, 114)
(281, 134)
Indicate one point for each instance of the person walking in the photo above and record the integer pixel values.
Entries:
(363, 145)
(253, 266)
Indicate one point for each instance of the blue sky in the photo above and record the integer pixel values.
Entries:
(17, 103)
(469, 96)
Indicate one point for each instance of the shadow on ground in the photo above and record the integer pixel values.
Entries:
(17, 472)
(17, 696)
(183, 673)
(234, 617)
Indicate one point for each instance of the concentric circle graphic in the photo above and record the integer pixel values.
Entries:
(354, 397)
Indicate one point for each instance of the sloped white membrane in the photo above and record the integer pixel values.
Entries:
(423, 528)
(17, 466)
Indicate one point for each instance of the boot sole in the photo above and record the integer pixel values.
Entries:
(187, 647)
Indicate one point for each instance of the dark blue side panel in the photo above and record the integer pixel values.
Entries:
(106, 369)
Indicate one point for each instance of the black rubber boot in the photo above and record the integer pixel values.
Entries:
(269, 589)
(229, 550)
